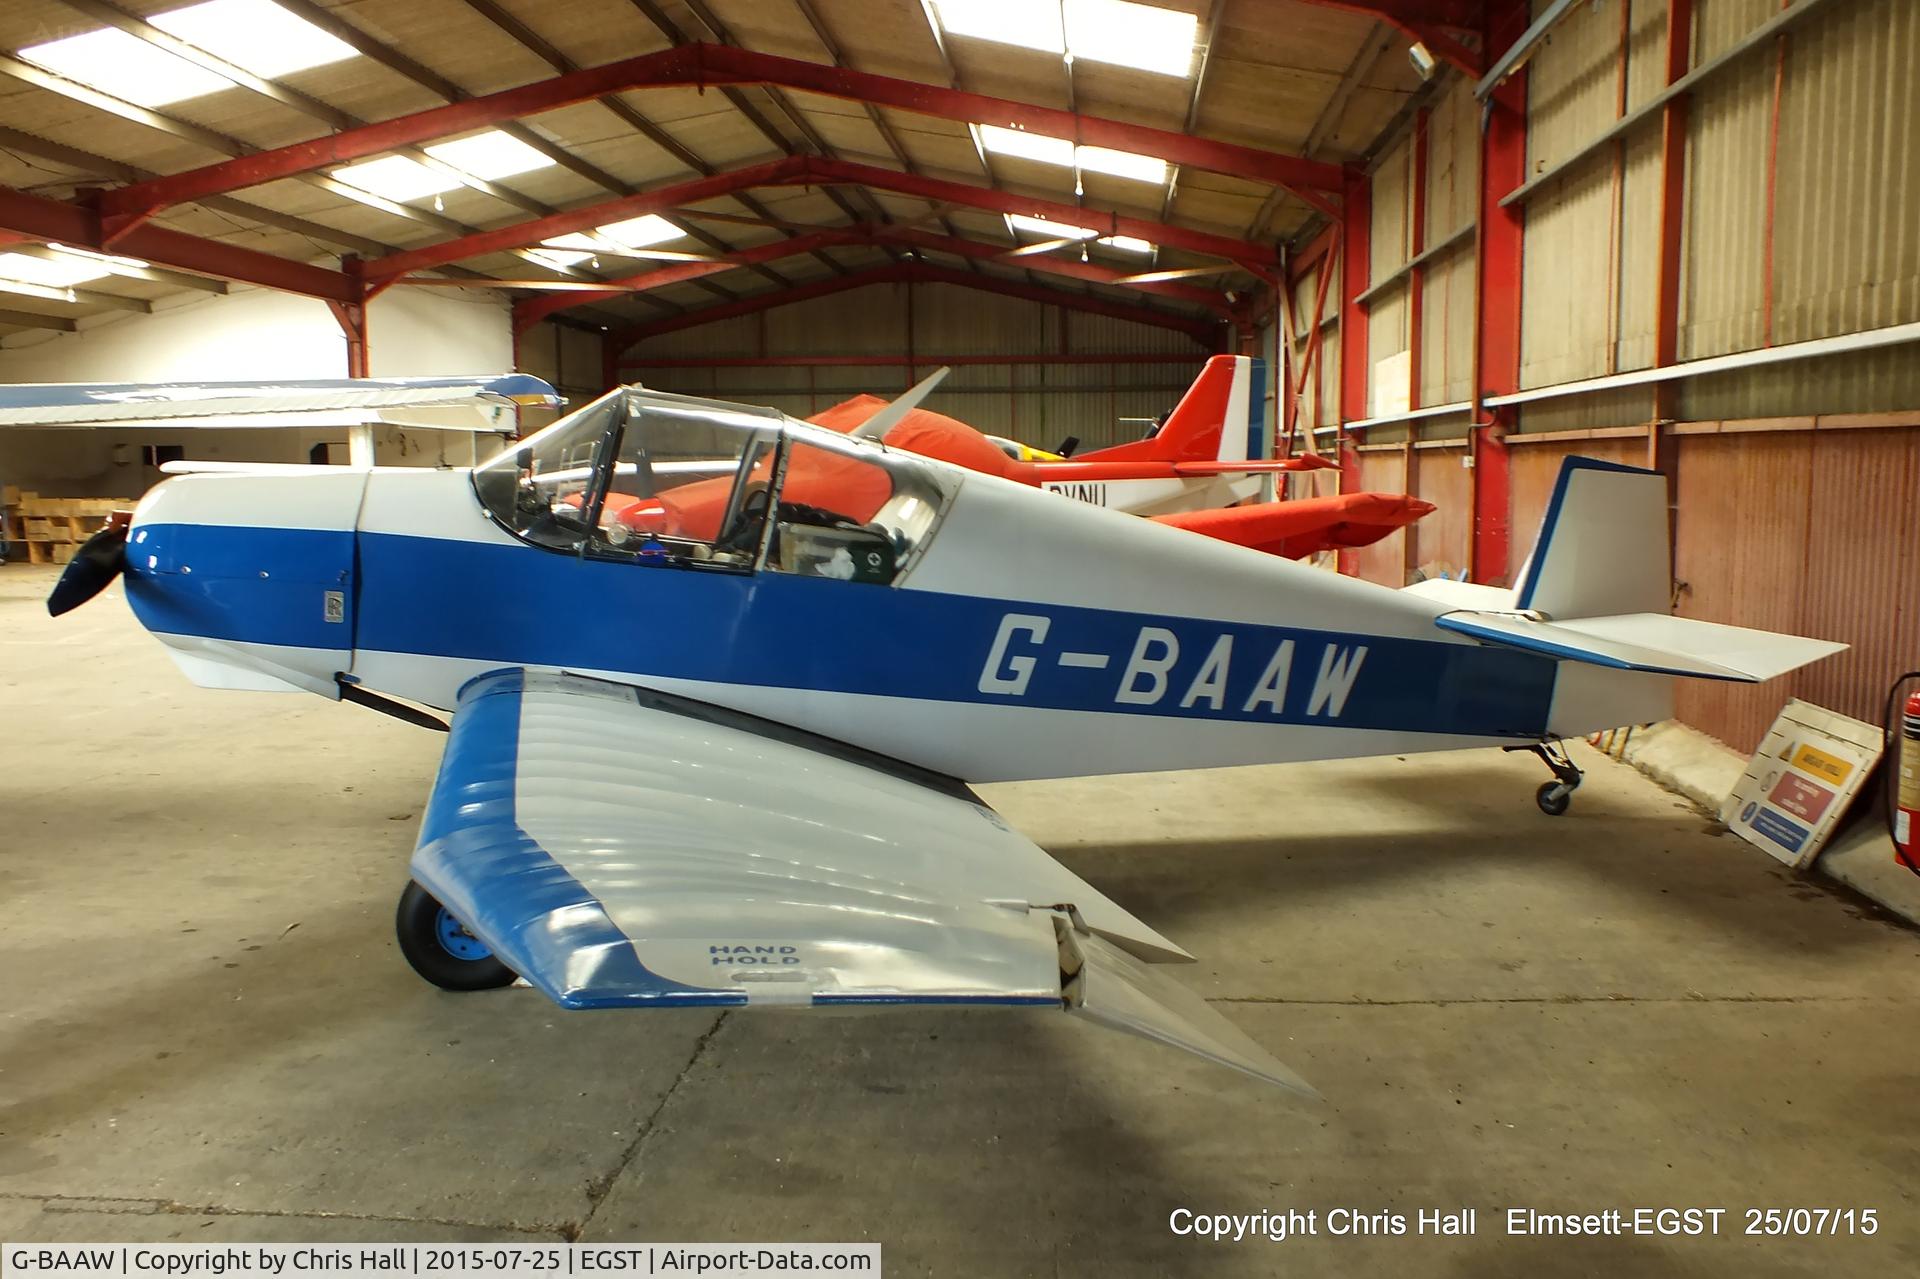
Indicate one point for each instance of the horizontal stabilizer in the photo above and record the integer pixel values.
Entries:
(1651, 642)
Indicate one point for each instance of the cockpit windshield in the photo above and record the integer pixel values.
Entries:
(668, 480)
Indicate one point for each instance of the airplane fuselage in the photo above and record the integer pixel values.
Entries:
(1125, 647)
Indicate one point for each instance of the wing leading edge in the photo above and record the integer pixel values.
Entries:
(618, 848)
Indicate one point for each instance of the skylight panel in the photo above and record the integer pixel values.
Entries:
(1047, 227)
(1132, 35)
(255, 35)
(558, 259)
(642, 232)
(1113, 31)
(1030, 24)
(1034, 146)
(491, 155)
(1028, 146)
(396, 177)
(634, 233)
(1123, 164)
(125, 66)
(44, 271)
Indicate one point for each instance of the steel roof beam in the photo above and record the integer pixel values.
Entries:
(57, 220)
(531, 311)
(708, 65)
(811, 171)
(1203, 332)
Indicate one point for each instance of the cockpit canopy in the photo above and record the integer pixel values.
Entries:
(673, 481)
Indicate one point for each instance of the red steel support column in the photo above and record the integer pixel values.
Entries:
(1417, 244)
(1662, 447)
(351, 316)
(1499, 244)
(1356, 227)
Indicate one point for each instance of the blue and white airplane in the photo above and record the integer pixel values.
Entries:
(720, 755)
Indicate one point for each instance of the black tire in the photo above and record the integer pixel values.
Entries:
(418, 923)
(1553, 798)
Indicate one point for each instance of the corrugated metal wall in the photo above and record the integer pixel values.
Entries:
(1800, 220)
(1041, 404)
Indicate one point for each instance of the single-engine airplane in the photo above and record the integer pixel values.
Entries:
(730, 767)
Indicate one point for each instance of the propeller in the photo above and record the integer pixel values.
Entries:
(92, 569)
(877, 426)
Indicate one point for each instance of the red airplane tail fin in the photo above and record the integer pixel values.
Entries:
(1209, 424)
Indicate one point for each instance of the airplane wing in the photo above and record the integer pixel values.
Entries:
(620, 848)
(1159, 469)
(1300, 528)
(480, 402)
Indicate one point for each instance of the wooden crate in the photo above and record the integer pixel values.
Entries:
(52, 528)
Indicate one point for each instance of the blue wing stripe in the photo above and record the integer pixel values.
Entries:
(474, 856)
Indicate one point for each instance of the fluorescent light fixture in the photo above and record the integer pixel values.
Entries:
(255, 35)
(1113, 31)
(490, 155)
(48, 273)
(634, 233)
(396, 177)
(125, 66)
(1017, 222)
(1033, 146)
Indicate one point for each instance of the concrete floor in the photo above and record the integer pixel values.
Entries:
(209, 1034)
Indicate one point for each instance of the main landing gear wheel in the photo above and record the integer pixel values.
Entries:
(441, 949)
(1555, 796)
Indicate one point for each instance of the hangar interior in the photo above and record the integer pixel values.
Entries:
(1467, 239)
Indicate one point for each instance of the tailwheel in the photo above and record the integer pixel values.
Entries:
(440, 948)
(1553, 798)
(1556, 796)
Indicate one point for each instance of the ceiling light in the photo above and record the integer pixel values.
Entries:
(490, 155)
(125, 66)
(1048, 227)
(396, 177)
(255, 35)
(1113, 31)
(51, 274)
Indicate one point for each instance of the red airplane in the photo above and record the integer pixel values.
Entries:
(1182, 474)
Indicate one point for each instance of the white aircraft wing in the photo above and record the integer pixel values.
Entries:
(480, 402)
(621, 848)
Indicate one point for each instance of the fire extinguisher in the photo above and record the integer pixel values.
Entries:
(1904, 813)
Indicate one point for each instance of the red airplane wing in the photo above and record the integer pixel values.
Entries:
(1301, 528)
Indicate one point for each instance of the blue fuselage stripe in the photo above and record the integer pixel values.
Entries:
(515, 605)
